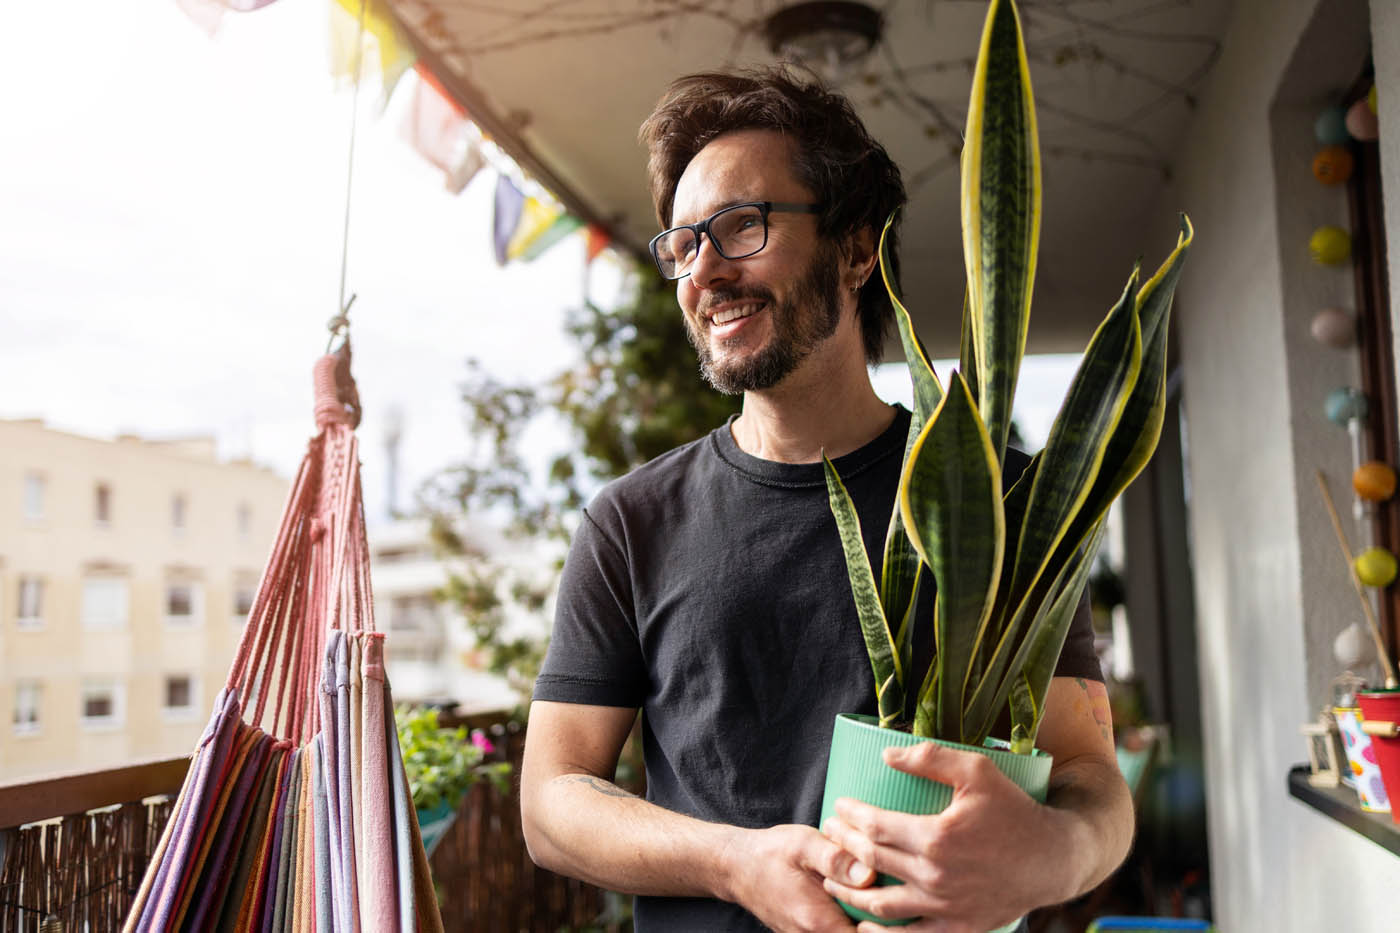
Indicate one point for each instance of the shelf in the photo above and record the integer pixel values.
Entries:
(1340, 804)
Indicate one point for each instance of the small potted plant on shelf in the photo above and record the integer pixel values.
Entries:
(1009, 565)
(442, 764)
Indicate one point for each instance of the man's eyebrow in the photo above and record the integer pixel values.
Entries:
(734, 202)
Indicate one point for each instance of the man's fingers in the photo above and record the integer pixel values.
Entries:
(891, 860)
(891, 902)
(880, 827)
(830, 860)
(940, 763)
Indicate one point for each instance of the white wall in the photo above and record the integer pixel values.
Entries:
(1270, 589)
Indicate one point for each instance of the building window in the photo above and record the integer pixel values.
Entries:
(31, 603)
(182, 603)
(178, 509)
(103, 704)
(34, 496)
(106, 601)
(102, 504)
(245, 519)
(412, 614)
(180, 697)
(28, 696)
(243, 595)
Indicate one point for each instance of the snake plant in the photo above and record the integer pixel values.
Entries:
(1009, 565)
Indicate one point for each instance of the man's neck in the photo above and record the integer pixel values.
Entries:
(825, 406)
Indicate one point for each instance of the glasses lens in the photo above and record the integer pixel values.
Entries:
(739, 231)
(675, 251)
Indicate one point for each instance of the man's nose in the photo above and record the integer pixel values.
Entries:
(709, 266)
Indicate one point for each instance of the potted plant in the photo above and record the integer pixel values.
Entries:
(442, 764)
(1009, 566)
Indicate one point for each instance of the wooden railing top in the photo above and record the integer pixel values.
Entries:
(41, 798)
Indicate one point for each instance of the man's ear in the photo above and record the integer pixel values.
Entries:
(860, 258)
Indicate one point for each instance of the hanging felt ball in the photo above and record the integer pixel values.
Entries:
(1361, 122)
(1332, 165)
(1374, 481)
(1331, 127)
(1334, 328)
(1375, 566)
(1371, 99)
(1345, 404)
(1330, 246)
(1350, 647)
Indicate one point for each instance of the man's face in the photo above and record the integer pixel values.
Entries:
(753, 321)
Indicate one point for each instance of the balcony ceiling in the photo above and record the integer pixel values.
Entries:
(563, 86)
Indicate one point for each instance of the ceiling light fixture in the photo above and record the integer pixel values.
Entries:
(829, 36)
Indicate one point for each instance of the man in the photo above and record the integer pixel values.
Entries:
(708, 587)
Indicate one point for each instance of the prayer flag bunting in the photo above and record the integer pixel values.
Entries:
(381, 37)
(510, 204)
(598, 241)
(542, 224)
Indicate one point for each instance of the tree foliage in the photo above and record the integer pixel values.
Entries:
(635, 393)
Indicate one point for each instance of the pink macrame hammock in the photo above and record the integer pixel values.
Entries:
(295, 814)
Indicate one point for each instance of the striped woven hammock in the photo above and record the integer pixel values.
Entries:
(295, 814)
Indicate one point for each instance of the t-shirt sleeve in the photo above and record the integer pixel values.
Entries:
(1077, 657)
(594, 654)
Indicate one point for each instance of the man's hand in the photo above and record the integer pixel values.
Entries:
(986, 860)
(776, 874)
(994, 853)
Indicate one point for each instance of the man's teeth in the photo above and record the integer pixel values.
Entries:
(734, 313)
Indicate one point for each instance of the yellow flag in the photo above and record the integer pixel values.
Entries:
(383, 42)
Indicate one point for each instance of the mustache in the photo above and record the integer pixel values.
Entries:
(721, 296)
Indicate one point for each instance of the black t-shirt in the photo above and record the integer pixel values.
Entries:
(708, 588)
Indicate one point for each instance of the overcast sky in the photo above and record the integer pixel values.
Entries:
(170, 235)
(170, 240)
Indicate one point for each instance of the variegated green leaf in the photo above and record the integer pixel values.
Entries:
(1135, 440)
(884, 660)
(1000, 213)
(950, 497)
(927, 392)
(900, 569)
(1068, 467)
(967, 349)
(1043, 644)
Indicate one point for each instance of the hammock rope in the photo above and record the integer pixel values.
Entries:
(295, 814)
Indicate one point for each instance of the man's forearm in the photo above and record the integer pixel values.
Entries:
(1097, 810)
(589, 828)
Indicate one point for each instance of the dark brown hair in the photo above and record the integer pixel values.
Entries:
(849, 173)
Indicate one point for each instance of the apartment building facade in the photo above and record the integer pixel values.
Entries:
(127, 569)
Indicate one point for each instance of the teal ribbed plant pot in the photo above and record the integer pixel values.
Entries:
(857, 769)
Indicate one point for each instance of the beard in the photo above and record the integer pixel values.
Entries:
(801, 323)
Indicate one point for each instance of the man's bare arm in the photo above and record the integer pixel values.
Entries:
(578, 822)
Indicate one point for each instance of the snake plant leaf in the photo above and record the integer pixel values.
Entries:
(1031, 685)
(884, 659)
(1079, 438)
(927, 392)
(1134, 442)
(900, 569)
(950, 497)
(1068, 467)
(967, 349)
(1000, 213)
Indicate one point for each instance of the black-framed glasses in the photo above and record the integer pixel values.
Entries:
(736, 232)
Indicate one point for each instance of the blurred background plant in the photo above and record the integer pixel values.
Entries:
(443, 763)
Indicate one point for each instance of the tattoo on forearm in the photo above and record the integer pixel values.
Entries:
(606, 788)
(1098, 706)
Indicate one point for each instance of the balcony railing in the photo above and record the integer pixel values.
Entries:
(74, 848)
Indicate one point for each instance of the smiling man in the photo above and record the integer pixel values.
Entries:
(708, 587)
